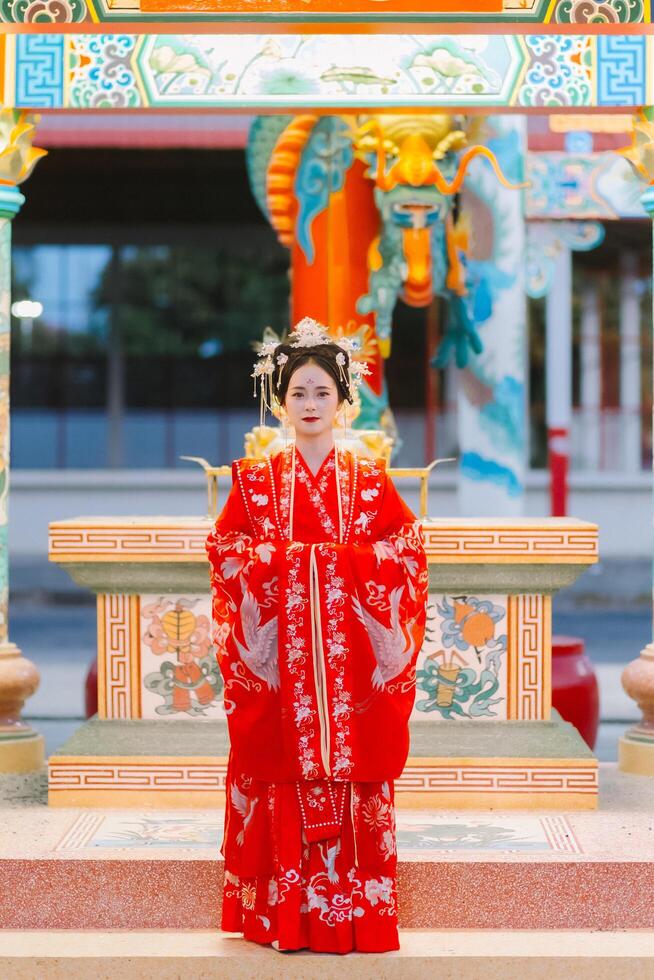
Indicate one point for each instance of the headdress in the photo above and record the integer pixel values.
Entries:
(307, 333)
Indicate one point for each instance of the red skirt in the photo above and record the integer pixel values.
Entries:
(311, 865)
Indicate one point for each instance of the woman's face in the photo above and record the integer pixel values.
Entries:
(311, 400)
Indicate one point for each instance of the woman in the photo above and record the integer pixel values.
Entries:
(319, 584)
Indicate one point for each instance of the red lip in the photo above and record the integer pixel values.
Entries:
(311, 418)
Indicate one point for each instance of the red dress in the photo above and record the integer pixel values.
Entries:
(319, 588)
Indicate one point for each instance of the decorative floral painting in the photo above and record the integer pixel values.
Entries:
(178, 663)
(462, 671)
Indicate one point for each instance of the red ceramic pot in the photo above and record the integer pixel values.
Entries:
(575, 693)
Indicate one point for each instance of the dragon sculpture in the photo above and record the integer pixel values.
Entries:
(368, 206)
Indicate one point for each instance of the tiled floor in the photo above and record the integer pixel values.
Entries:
(420, 835)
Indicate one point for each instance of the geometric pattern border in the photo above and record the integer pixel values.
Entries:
(142, 776)
(148, 539)
(454, 778)
(138, 540)
(497, 778)
(621, 70)
(336, 71)
(515, 541)
(39, 78)
(119, 656)
(530, 657)
(150, 13)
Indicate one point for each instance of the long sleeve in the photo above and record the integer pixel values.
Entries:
(244, 588)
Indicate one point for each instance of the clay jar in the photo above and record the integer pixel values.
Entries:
(638, 682)
(19, 679)
(575, 693)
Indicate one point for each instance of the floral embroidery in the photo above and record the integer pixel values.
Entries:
(285, 489)
(316, 495)
(352, 901)
(219, 637)
(346, 489)
(248, 896)
(325, 475)
(304, 708)
(388, 844)
(253, 478)
(370, 491)
(341, 704)
(379, 890)
(375, 812)
(265, 551)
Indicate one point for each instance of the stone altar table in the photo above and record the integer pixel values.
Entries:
(483, 731)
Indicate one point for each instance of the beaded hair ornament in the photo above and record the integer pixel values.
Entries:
(307, 333)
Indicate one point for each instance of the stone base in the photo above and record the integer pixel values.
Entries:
(460, 765)
(636, 752)
(126, 869)
(22, 750)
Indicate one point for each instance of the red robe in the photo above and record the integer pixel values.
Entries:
(319, 588)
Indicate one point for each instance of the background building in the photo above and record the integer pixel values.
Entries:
(156, 271)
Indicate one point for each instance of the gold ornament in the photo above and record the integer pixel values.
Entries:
(641, 152)
(17, 155)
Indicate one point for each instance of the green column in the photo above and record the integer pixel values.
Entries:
(10, 203)
(636, 747)
(21, 748)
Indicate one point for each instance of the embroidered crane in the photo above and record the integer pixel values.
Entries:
(394, 646)
(245, 806)
(260, 651)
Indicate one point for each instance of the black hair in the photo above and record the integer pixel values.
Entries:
(324, 355)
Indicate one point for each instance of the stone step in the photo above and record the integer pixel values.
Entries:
(424, 955)
(158, 869)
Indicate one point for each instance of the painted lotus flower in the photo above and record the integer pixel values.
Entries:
(166, 60)
(287, 81)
